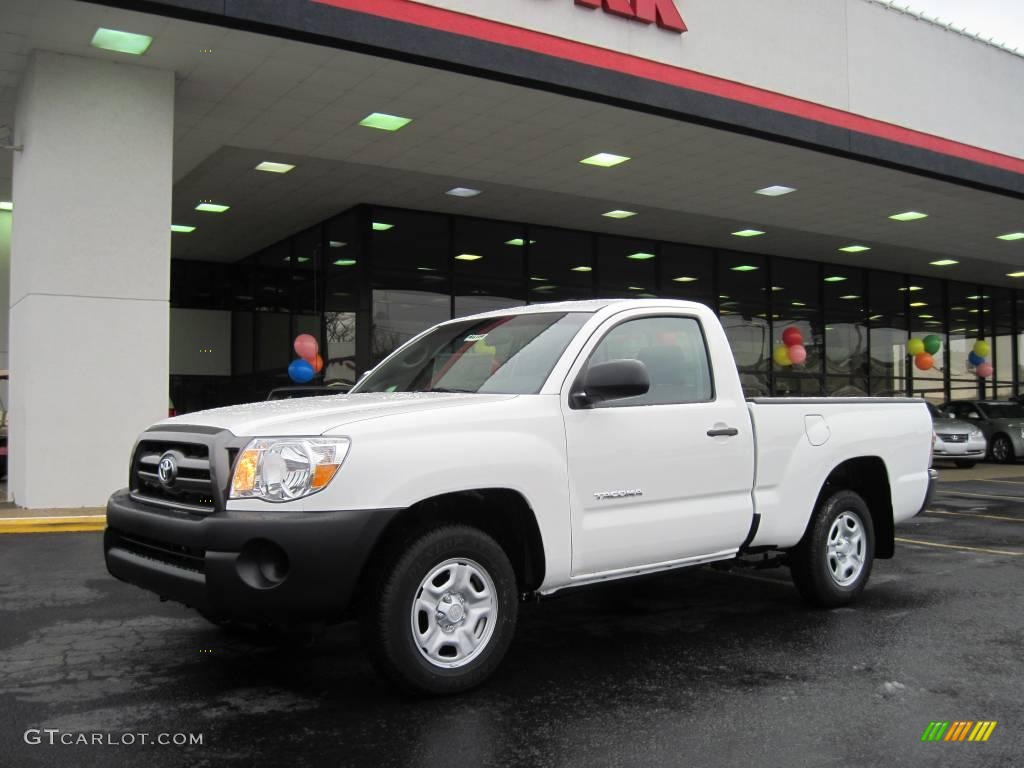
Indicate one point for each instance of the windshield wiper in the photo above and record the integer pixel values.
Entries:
(450, 389)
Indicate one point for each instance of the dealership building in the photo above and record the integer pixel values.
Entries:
(186, 185)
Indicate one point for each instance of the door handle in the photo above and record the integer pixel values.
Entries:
(725, 432)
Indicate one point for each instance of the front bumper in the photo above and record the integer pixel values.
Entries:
(269, 566)
(971, 449)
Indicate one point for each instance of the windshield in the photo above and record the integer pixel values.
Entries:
(1002, 410)
(510, 355)
(935, 412)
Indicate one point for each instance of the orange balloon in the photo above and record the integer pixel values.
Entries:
(318, 364)
(924, 361)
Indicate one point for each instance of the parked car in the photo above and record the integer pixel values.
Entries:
(962, 442)
(1002, 423)
(506, 456)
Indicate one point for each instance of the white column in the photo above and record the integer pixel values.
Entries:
(90, 273)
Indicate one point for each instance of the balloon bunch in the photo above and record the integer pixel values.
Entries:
(979, 358)
(309, 363)
(792, 350)
(924, 350)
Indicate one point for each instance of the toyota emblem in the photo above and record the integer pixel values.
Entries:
(167, 470)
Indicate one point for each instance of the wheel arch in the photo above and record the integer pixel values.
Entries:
(502, 513)
(869, 478)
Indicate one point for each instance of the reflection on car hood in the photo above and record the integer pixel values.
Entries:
(316, 415)
(953, 426)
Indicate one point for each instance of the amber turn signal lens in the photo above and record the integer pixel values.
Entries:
(323, 474)
(245, 472)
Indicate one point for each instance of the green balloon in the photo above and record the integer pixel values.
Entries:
(932, 344)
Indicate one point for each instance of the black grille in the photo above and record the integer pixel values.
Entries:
(948, 438)
(194, 487)
(187, 558)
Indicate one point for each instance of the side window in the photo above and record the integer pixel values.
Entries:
(674, 352)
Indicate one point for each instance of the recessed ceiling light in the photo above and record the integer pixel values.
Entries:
(911, 288)
(468, 257)
(384, 122)
(345, 263)
(463, 192)
(944, 263)
(582, 269)
(916, 304)
(635, 288)
(518, 242)
(6, 205)
(212, 207)
(121, 42)
(834, 279)
(776, 190)
(926, 317)
(876, 317)
(798, 304)
(849, 297)
(337, 243)
(744, 268)
(640, 256)
(684, 279)
(855, 249)
(539, 279)
(270, 167)
(380, 226)
(778, 288)
(619, 214)
(1012, 236)
(183, 228)
(604, 160)
(302, 259)
(748, 233)
(1015, 274)
(909, 216)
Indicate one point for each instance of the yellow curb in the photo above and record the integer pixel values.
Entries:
(65, 524)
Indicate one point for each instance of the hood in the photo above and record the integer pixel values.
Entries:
(953, 426)
(316, 415)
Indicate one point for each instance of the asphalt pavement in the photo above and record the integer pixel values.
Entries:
(696, 668)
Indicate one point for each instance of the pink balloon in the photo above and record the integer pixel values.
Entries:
(985, 370)
(306, 347)
(798, 354)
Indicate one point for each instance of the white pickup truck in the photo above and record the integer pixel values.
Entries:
(509, 455)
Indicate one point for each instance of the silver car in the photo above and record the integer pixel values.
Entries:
(1002, 423)
(959, 441)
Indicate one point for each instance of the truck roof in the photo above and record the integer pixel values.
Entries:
(587, 305)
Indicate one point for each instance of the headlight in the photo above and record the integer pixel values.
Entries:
(976, 434)
(285, 469)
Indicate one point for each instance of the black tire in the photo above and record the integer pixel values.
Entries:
(817, 572)
(387, 618)
(964, 464)
(1002, 450)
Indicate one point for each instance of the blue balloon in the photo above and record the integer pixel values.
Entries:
(975, 359)
(301, 372)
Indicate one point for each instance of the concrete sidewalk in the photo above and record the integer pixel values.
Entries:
(15, 519)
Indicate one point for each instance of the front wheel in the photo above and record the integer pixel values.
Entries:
(1002, 450)
(831, 564)
(442, 613)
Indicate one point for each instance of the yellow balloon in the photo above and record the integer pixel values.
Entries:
(982, 348)
(781, 356)
(915, 347)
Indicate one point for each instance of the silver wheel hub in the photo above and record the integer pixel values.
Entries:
(846, 549)
(454, 612)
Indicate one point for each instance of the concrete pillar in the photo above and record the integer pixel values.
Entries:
(90, 273)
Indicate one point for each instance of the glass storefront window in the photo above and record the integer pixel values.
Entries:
(398, 315)
(340, 360)
(928, 318)
(887, 319)
(626, 267)
(795, 298)
(566, 258)
(687, 272)
(999, 318)
(965, 320)
(846, 332)
(344, 263)
(409, 241)
(743, 308)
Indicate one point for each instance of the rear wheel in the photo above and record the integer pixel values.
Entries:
(1002, 450)
(442, 613)
(831, 564)
(965, 464)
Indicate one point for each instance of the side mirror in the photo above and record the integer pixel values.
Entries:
(613, 380)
